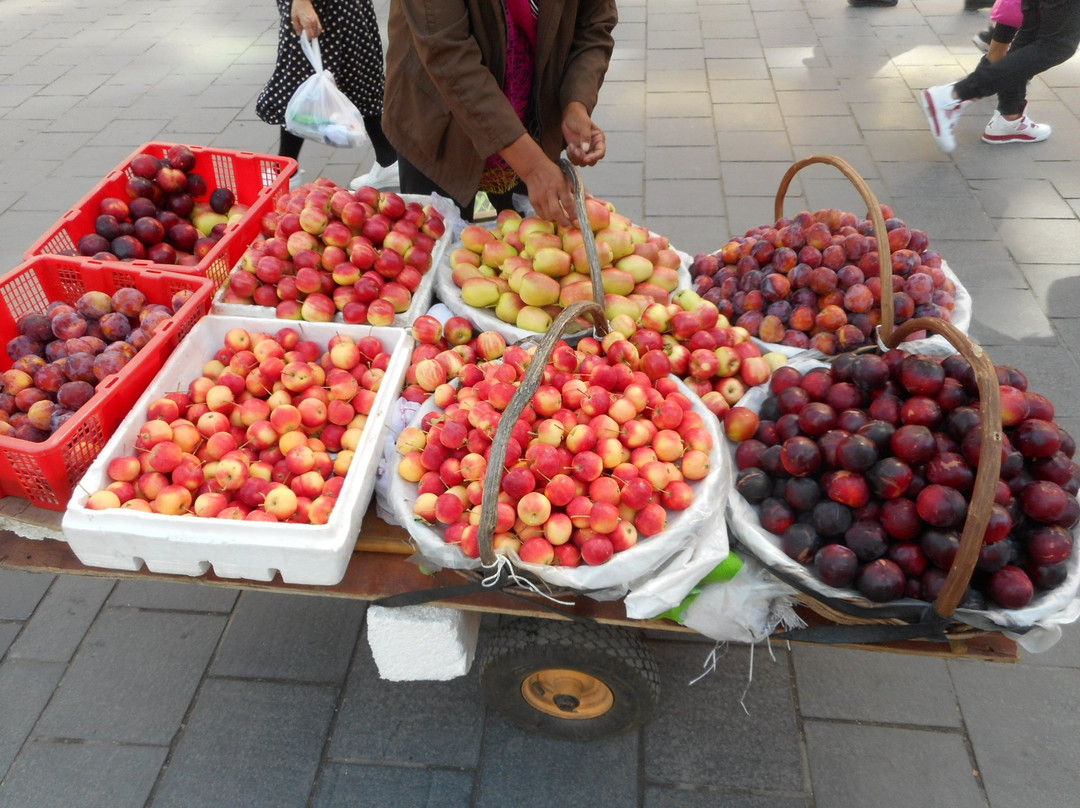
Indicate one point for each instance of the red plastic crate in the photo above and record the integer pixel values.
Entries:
(46, 473)
(257, 180)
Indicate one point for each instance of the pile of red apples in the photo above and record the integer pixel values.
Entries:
(267, 432)
(328, 252)
(814, 280)
(599, 458)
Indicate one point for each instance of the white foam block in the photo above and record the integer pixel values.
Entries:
(431, 643)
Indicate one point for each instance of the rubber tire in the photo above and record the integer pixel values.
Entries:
(521, 647)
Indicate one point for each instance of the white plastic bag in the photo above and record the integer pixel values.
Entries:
(318, 110)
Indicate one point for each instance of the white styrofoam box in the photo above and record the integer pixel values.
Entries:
(421, 299)
(485, 320)
(189, 545)
(414, 643)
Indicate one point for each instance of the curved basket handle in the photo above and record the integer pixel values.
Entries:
(528, 386)
(989, 470)
(873, 209)
(588, 238)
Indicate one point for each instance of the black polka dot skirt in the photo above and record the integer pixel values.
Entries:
(351, 50)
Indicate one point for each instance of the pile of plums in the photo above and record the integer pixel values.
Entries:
(864, 469)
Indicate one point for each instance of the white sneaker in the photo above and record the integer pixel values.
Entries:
(383, 178)
(942, 112)
(1022, 130)
(296, 180)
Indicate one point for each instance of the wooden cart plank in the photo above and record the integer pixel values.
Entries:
(380, 569)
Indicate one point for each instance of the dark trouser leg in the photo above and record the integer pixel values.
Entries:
(385, 153)
(413, 181)
(1049, 36)
(290, 144)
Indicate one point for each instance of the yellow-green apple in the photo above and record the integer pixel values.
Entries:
(534, 224)
(552, 260)
(618, 240)
(580, 257)
(480, 292)
(728, 361)
(540, 240)
(537, 289)
(617, 281)
(532, 318)
(638, 267)
(474, 237)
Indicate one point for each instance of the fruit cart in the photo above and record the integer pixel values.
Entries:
(582, 673)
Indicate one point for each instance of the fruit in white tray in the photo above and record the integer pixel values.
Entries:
(267, 432)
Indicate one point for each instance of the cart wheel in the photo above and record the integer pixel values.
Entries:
(569, 680)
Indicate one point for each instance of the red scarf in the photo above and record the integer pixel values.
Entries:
(498, 177)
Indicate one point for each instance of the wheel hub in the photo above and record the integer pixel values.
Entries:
(568, 694)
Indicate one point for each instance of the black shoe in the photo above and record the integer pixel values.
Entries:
(983, 38)
(975, 5)
(872, 3)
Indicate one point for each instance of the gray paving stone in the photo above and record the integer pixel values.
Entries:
(271, 734)
(343, 785)
(731, 748)
(589, 773)
(1040, 241)
(1022, 199)
(692, 234)
(25, 689)
(699, 798)
(874, 687)
(754, 146)
(169, 596)
(1056, 288)
(683, 162)
(853, 765)
(133, 678)
(747, 118)
(682, 197)
(281, 636)
(1023, 726)
(693, 132)
(917, 178)
(61, 619)
(1003, 319)
(20, 593)
(981, 264)
(749, 91)
(88, 775)
(409, 723)
(753, 211)
(8, 633)
(1064, 654)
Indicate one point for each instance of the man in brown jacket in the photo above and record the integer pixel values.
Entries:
(446, 108)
